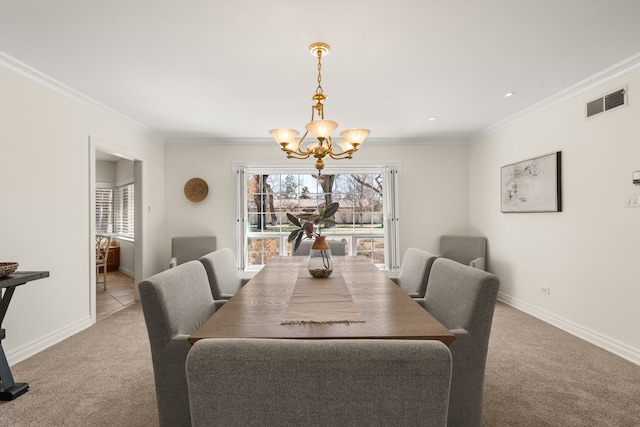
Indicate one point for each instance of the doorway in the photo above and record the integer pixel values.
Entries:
(120, 172)
(120, 293)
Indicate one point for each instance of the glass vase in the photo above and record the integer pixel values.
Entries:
(320, 261)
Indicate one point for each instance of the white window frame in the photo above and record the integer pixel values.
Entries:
(390, 170)
(124, 218)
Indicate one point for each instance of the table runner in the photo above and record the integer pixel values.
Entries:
(320, 301)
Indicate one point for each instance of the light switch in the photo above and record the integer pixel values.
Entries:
(632, 200)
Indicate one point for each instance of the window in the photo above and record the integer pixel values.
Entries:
(366, 220)
(104, 210)
(115, 211)
(124, 211)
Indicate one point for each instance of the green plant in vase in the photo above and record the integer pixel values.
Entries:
(310, 226)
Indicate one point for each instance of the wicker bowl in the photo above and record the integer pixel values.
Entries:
(7, 268)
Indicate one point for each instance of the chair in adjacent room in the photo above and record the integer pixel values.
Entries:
(190, 248)
(337, 247)
(224, 278)
(463, 299)
(346, 382)
(414, 273)
(103, 243)
(467, 250)
(175, 303)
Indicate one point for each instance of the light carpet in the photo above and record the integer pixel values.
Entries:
(537, 375)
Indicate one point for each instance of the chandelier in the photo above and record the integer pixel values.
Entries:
(320, 128)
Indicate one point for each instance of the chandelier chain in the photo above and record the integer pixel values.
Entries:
(319, 89)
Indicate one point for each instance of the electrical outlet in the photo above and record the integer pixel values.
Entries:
(545, 290)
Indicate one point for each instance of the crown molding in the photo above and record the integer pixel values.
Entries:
(430, 140)
(12, 64)
(589, 83)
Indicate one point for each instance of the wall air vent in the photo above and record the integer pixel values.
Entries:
(607, 102)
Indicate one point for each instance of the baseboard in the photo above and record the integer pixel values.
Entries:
(126, 272)
(36, 346)
(609, 344)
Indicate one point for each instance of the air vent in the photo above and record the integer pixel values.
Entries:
(607, 102)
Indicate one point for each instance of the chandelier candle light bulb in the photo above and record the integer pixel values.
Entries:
(320, 128)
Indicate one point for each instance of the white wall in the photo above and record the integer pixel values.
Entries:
(106, 172)
(433, 198)
(127, 257)
(124, 172)
(44, 141)
(588, 254)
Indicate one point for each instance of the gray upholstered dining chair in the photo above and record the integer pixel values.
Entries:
(414, 272)
(337, 247)
(224, 278)
(463, 299)
(190, 248)
(467, 250)
(175, 303)
(346, 382)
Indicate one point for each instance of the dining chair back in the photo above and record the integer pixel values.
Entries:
(414, 272)
(190, 248)
(103, 243)
(463, 299)
(175, 303)
(224, 278)
(337, 247)
(346, 382)
(467, 250)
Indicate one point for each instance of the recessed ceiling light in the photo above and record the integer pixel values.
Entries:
(432, 118)
(508, 94)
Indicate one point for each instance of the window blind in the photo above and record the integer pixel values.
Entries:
(124, 211)
(104, 210)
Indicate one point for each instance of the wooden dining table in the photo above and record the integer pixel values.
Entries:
(358, 301)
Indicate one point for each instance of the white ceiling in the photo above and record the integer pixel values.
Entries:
(235, 69)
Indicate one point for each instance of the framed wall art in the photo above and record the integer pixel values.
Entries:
(532, 185)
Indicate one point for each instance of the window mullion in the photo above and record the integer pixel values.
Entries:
(241, 218)
(390, 184)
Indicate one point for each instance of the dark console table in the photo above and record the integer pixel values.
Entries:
(9, 389)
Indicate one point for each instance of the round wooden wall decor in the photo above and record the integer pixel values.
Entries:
(196, 189)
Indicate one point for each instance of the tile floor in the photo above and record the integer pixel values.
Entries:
(119, 294)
